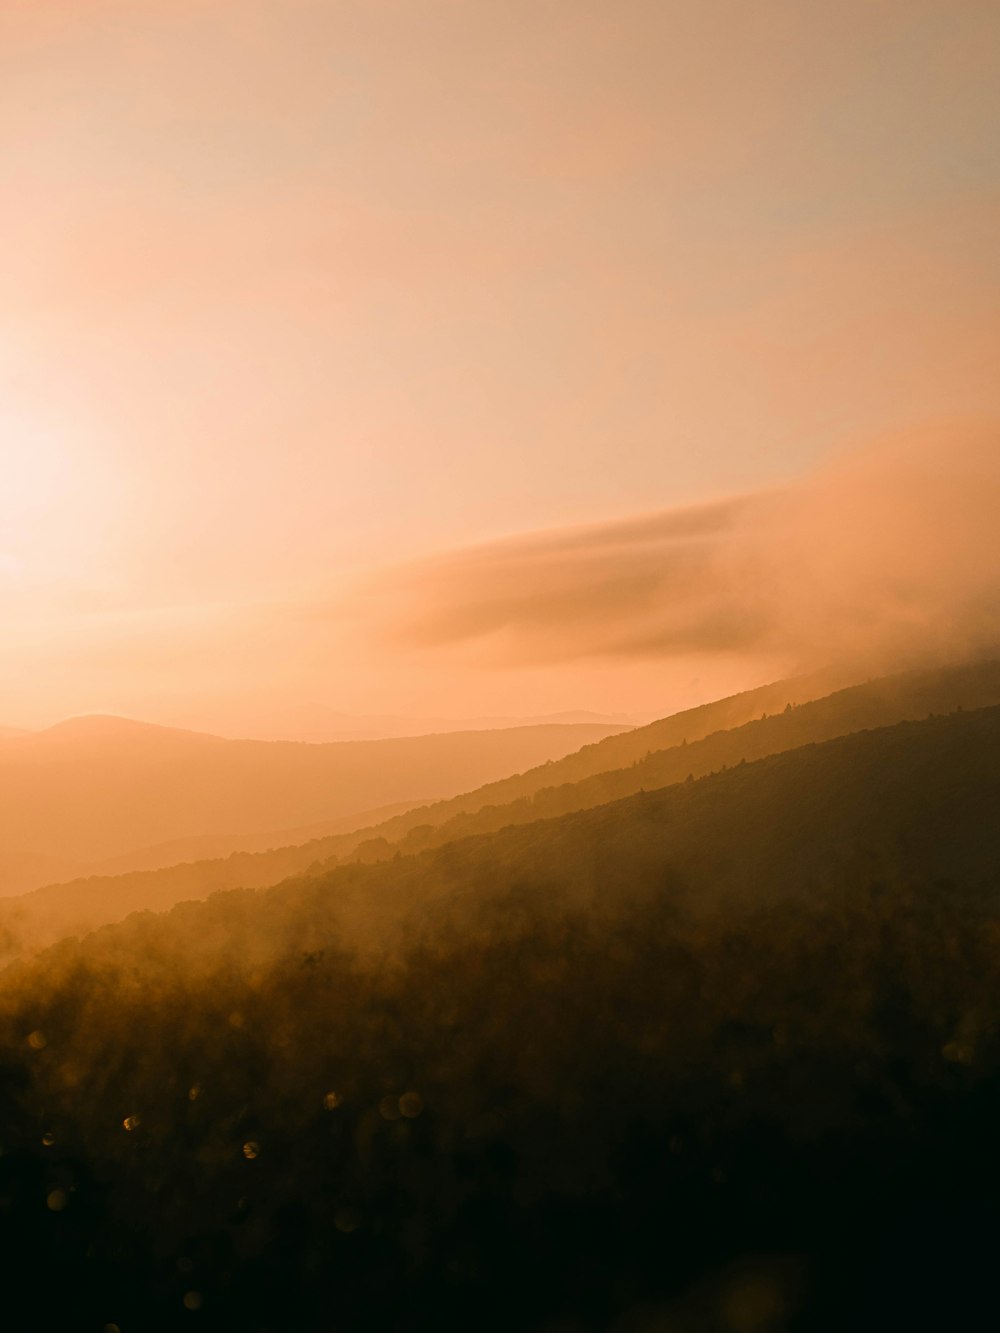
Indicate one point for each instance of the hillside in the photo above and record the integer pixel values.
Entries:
(782, 826)
(718, 1056)
(95, 789)
(631, 746)
(877, 703)
(50, 913)
(216, 846)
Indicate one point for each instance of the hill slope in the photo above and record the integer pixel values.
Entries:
(73, 908)
(787, 825)
(93, 789)
(714, 1057)
(877, 703)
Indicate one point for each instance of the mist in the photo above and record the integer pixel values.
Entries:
(888, 556)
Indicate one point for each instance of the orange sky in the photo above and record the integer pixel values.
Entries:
(295, 290)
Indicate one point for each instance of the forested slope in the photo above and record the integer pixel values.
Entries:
(877, 703)
(73, 908)
(720, 1056)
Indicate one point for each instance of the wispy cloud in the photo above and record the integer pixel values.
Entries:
(891, 554)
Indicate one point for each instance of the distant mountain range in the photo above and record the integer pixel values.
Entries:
(692, 744)
(96, 791)
(316, 725)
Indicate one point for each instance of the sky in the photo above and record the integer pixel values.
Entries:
(302, 301)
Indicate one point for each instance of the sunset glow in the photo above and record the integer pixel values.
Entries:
(500, 673)
(298, 293)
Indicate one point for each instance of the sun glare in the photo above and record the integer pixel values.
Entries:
(55, 497)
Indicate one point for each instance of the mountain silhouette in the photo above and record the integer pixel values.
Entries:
(93, 789)
(76, 906)
(726, 1046)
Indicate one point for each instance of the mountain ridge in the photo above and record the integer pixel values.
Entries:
(77, 906)
(99, 791)
(700, 1023)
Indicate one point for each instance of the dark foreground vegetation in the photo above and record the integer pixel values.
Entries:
(724, 1056)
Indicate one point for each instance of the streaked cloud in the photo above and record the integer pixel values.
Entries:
(889, 554)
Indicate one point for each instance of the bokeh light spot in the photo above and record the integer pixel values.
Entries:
(411, 1104)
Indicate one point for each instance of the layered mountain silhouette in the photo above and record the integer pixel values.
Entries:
(715, 1055)
(607, 770)
(98, 790)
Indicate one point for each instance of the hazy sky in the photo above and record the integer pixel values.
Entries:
(293, 289)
